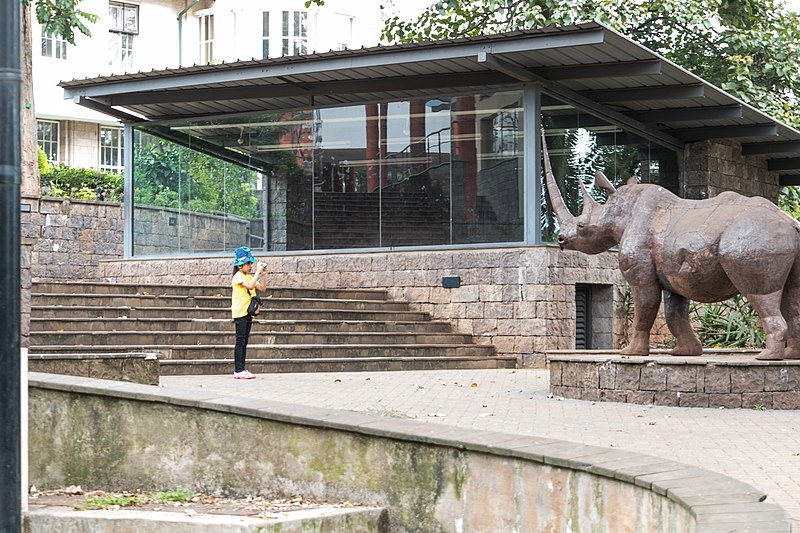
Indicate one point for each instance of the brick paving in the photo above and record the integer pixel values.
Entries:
(759, 447)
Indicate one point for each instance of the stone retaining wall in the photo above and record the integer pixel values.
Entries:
(430, 477)
(722, 380)
(521, 300)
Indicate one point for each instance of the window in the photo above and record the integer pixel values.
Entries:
(206, 39)
(295, 33)
(123, 26)
(265, 34)
(47, 138)
(111, 150)
(53, 46)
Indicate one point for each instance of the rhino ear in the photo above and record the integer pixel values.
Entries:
(601, 181)
(632, 181)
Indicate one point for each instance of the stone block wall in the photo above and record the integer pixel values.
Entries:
(711, 167)
(678, 382)
(164, 230)
(521, 300)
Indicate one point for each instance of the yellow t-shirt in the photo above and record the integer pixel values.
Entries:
(240, 297)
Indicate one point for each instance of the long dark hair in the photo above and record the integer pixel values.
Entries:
(235, 269)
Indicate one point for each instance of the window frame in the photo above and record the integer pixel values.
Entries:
(294, 41)
(53, 142)
(206, 43)
(55, 45)
(117, 148)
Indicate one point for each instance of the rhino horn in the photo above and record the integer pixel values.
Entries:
(632, 181)
(601, 181)
(559, 207)
(587, 198)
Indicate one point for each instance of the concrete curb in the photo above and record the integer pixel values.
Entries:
(718, 502)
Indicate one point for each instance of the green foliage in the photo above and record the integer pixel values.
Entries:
(790, 202)
(750, 48)
(169, 175)
(62, 18)
(759, 407)
(81, 183)
(44, 165)
(110, 500)
(180, 494)
(729, 324)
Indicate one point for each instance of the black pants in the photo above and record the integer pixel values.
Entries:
(242, 337)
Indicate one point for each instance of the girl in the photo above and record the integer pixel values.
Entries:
(244, 287)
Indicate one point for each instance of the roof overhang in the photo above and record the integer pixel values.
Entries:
(589, 66)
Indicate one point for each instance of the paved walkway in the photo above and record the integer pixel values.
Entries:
(759, 447)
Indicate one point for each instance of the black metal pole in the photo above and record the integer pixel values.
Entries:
(10, 169)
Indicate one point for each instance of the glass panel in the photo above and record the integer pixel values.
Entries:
(432, 171)
(580, 144)
(487, 185)
(346, 166)
(415, 178)
(265, 34)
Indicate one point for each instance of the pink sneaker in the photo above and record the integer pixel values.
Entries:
(244, 374)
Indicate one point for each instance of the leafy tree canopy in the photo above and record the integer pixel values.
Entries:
(750, 48)
(62, 17)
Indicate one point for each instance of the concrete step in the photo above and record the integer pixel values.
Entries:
(308, 352)
(224, 324)
(364, 364)
(149, 300)
(87, 287)
(49, 519)
(60, 311)
(257, 336)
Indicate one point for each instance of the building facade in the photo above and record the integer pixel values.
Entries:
(159, 34)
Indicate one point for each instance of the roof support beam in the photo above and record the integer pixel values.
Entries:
(571, 97)
(778, 147)
(660, 92)
(280, 90)
(647, 67)
(686, 114)
(108, 110)
(787, 163)
(726, 132)
(788, 180)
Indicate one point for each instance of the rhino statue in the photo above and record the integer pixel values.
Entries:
(701, 250)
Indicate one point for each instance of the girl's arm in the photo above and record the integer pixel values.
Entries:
(260, 279)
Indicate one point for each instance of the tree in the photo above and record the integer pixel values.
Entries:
(61, 18)
(747, 47)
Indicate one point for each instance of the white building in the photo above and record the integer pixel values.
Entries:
(157, 34)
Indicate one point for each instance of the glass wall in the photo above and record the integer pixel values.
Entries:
(580, 144)
(394, 174)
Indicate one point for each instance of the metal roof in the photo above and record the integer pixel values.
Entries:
(588, 65)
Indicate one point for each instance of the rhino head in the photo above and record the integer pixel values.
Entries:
(596, 229)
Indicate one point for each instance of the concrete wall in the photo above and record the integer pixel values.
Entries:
(430, 477)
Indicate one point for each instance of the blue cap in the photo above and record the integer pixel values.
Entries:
(242, 255)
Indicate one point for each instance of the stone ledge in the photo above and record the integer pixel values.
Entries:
(729, 379)
(689, 487)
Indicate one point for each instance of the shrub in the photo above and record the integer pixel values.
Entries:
(44, 165)
(729, 324)
(82, 183)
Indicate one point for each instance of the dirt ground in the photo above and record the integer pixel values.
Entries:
(255, 507)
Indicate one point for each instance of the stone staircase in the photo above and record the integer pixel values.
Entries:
(302, 330)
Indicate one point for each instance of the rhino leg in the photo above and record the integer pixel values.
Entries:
(768, 307)
(790, 307)
(676, 311)
(646, 299)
